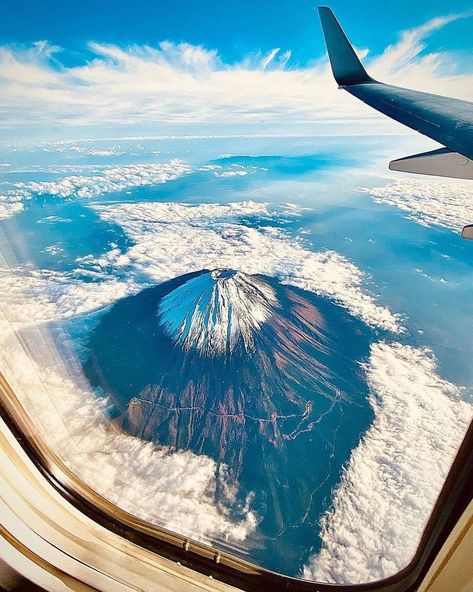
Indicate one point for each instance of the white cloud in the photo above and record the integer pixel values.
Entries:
(28, 66)
(180, 84)
(395, 474)
(91, 151)
(111, 179)
(34, 296)
(405, 63)
(11, 203)
(173, 239)
(232, 173)
(429, 201)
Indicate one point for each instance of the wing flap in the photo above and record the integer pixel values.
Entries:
(442, 163)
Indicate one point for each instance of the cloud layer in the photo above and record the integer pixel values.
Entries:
(173, 239)
(179, 84)
(429, 201)
(395, 474)
(112, 179)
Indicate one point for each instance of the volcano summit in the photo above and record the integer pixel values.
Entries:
(217, 311)
(263, 377)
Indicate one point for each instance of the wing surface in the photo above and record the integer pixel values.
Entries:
(445, 120)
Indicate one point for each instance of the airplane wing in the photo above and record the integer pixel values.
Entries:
(445, 120)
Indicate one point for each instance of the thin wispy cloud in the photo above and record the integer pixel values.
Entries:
(184, 85)
(406, 63)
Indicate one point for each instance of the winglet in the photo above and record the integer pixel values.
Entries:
(346, 67)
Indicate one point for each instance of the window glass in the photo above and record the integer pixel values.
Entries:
(232, 321)
(267, 352)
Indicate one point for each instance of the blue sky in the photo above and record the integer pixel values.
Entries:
(234, 27)
(104, 68)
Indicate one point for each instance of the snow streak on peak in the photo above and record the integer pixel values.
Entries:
(216, 311)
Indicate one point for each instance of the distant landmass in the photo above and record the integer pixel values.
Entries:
(263, 377)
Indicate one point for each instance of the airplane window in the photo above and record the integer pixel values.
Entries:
(260, 341)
